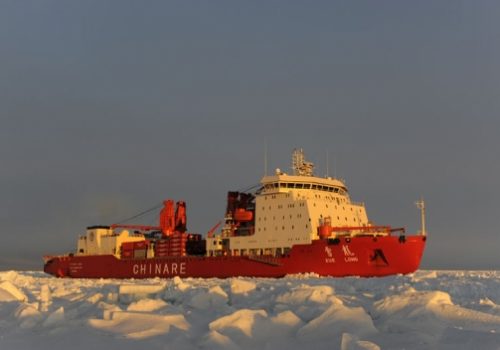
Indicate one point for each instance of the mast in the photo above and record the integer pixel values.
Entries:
(300, 166)
(265, 159)
(327, 165)
(421, 205)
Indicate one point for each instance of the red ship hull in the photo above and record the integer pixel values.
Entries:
(365, 256)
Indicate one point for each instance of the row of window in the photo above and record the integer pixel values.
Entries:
(318, 196)
(280, 206)
(306, 186)
(282, 228)
(274, 217)
(307, 226)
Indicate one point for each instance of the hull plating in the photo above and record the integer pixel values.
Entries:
(357, 256)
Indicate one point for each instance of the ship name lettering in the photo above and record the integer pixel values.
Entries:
(159, 269)
(347, 251)
(350, 259)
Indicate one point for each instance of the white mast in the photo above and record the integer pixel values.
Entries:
(421, 205)
(327, 165)
(265, 159)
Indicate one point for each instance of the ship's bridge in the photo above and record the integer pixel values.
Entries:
(282, 182)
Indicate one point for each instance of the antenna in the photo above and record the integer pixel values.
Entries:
(265, 159)
(421, 205)
(334, 168)
(327, 165)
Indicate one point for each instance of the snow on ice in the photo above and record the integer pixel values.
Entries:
(425, 310)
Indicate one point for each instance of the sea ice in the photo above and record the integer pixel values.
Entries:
(428, 309)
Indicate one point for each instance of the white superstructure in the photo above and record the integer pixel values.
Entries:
(288, 211)
(101, 240)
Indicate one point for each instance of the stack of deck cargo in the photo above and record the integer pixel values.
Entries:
(162, 248)
(140, 250)
(127, 250)
(195, 244)
(173, 245)
(136, 250)
(178, 244)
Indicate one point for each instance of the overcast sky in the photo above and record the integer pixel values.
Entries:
(109, 107)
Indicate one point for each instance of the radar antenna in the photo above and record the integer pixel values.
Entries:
(299, 164)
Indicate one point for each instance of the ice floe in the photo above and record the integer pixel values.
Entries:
(425, 310)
